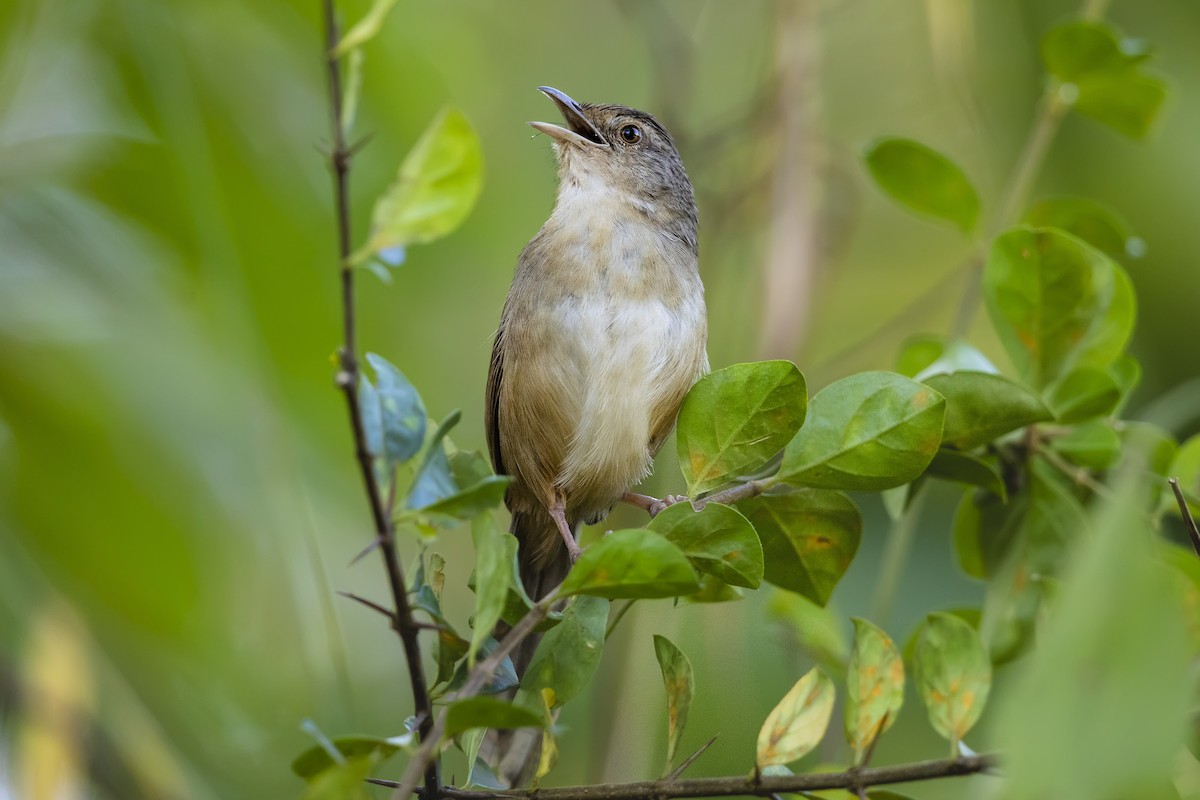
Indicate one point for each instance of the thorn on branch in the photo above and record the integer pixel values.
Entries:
(387, 612)
(366, 551)
(687, 762)
(354, 149)
(1188, 521)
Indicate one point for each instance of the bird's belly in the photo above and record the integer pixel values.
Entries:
(631, 357)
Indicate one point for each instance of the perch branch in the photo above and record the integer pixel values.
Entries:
(755, 786)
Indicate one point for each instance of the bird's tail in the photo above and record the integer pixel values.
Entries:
(514, 754)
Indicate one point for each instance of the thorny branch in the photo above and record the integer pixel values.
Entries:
(347, 380)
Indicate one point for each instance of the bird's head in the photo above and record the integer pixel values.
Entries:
(614, 148)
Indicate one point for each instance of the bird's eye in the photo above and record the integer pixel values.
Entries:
(631, 134)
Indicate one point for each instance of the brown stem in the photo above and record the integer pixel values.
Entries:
(347, 381)
(752, 785)
(736, 493)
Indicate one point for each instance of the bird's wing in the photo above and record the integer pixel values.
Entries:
(491, 406)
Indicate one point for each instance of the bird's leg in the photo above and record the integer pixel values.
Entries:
(652, 505)
(558, 513)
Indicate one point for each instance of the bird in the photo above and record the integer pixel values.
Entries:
(602, 334)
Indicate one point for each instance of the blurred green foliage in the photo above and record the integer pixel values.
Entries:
(177, 488)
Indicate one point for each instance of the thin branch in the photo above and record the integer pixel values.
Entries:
(1077, 474)
(1193, 531)
(736, 493)
(347, 381)
(426, 755)
(761, 786)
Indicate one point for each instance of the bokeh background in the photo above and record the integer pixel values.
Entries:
(178, 499)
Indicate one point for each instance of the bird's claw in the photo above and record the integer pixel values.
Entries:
(659, 506)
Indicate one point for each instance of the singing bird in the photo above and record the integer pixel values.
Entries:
(603, 333)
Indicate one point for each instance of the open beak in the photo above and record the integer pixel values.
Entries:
(579, 129)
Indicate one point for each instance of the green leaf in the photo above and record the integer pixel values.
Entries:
(1083, 393)
(469, 467)
(714, 590)
(1186, 467)
(472, 501)
(1094, 445)
(345, 781)
(952, 465)
(1056, 302)
(1086, 219)
(918, 352)
(568, 654)
(809, 537)
(502, 680)
(1100, 708)
(681, 687)
(953, 674)
(957, 356)
(631, 563)
(317, 759)
(434, 480)
(874, 686)
(798, 723)
(434, 191)
(717, 540)
(733, 420)
(1054, 521)
(488, 712)
(867, 432)
(1111, 83)
(981, 407)
(365, 29)
(494, 554)
(397, 425)
(924, 181)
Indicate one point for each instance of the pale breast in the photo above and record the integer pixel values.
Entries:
(605, 333)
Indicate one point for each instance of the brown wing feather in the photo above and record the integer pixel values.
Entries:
(491, 405)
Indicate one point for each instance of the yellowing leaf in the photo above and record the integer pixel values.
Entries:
(954, 674)
(874, 686)
(680, 684)
(797, 724)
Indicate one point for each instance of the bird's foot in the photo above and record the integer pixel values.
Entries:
(652, 505)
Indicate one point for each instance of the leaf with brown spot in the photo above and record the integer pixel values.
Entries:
(809, 537)
(874, 686)
(953, 673)
(798, 723)
(680, 684)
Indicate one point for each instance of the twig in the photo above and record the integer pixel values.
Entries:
(427, 753)
(1193, 531)
(736, 493)
(347, 381)
(1077, 474)
(757, 786)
